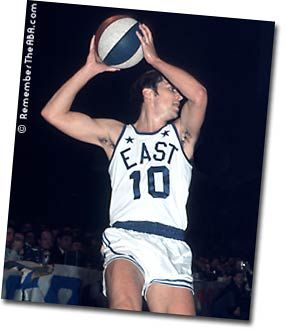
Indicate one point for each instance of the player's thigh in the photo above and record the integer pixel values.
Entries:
(124, 283)
(170, 299)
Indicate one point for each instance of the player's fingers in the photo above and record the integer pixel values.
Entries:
(94, 51)
(113, 69)
(144, 33)
(91, 45)
(148, 32)
(97, 58)
(141, 38)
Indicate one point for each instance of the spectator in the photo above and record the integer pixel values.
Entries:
(64, 243)
(216, 268)
(76, 232)
(42, 253)
(76, 256)
(10, 237)
(94, 257)
(233, 301)
(30, 250)
(55, 232)
(30, 239)
(77, 245)
(15, 246)
(46, 240)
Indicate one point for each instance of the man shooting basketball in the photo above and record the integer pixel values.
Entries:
(144, 249)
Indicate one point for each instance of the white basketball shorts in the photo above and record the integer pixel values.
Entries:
(160, 259)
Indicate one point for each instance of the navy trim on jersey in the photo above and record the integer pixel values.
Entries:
(190, 161)
(118, 140)
(148, 133)
(149, 227)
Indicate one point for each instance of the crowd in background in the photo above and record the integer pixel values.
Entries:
(44, 244)
(219, 268)
(52, 245)
(71, 246)
(226, 288)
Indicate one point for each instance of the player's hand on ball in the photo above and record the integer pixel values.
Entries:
(147, 43)
(93, 62)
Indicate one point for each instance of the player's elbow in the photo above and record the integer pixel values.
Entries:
(50, 114)
(46, 113)
(201, 96)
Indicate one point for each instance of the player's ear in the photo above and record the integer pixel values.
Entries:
(147, 93)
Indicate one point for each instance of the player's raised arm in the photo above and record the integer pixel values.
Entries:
(193, 112)
(78, 125)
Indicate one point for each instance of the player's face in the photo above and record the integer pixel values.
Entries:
(168, 100)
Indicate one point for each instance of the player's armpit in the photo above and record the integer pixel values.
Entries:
(191, 120)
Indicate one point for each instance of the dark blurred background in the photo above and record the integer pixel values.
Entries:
(60, 181)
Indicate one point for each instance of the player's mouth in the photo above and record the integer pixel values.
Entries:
(176, 104)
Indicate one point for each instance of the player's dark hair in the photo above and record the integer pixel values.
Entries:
(149, 79)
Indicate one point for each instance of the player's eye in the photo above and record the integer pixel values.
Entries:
(172, 89)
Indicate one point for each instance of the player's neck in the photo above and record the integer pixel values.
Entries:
(147, 122)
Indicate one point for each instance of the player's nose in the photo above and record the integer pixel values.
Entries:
(179, 97)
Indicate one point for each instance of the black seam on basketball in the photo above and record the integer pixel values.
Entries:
(124, 56)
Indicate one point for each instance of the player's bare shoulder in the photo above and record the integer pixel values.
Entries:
(108, 138)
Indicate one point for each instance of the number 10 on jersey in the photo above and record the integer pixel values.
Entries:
(161, 171)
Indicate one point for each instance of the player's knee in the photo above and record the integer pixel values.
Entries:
(125, 303)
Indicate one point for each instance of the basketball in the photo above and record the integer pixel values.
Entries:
(116, 42)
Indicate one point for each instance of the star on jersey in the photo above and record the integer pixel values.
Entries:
(165, 133)
(129, 139)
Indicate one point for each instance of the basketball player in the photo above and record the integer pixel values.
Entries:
(144, 249)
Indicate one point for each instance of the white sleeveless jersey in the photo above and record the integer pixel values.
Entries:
(150, 178)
